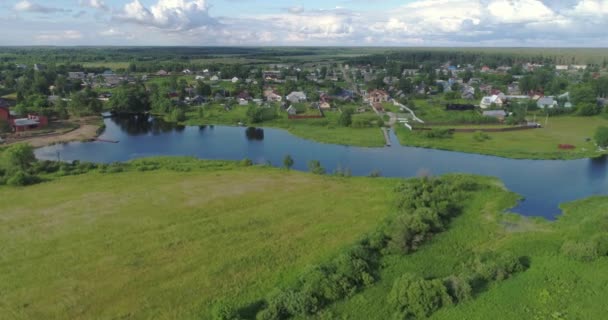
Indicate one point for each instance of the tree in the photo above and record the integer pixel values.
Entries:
(130, 99)
(417, 297)
(203, 89)
(346, 118)
(18, 157)
(588, 109)
(601, 136)
(288, 162)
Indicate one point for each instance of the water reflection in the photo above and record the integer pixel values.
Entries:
(255, 134)
(143, 124)
(597, 168)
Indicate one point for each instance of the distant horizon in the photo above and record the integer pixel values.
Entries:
(314, 23)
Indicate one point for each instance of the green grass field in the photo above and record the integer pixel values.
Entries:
(528, 144)
(165, 245)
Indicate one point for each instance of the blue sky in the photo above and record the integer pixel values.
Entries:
(537, 23)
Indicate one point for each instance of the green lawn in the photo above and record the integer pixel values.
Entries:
(165, 245)
(530, 144)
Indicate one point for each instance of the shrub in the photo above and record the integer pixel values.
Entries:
(246, 162)
(481, 136)
(438, 133)
(21, 178)
(314, 166)
(586, 250)
(601, 136)
(458, 288)
(413, 296)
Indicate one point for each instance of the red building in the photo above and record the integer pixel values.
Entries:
(29, 123)
(5, 114)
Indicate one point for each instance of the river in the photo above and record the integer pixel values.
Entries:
(544, 184)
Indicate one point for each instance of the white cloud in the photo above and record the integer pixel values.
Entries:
(28, 6)
(177, 15)
(52, 36)
(519, 11)
(95, 4)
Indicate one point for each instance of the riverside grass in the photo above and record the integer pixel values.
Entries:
(526, 144)
(168, 243)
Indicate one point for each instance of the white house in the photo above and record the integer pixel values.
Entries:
(546, 102)
(187, 71)
(296, 97)
(235, 80)
(199, 78)
(215, 78)
(488, 101)
(561, 67)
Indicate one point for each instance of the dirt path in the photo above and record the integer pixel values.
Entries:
(84, 132)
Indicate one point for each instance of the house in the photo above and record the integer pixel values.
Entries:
(296, 97)
(215, 78)
(187, 71)
(76, 75)
(468, 93)
(377, 96)
(244, 95)
(485, 69)
(199, 77)
(488, 101)
(5, 114)
(498, 114)
(561, 67)
(324, 105)
(235, 80)
(272, 95)
(162, 73)
(292, 110)
(29, 123)
(39, 67)
(579, 67)
(546, 102)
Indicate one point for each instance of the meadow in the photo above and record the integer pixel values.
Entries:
(539, 143)
(166, 244)
(168, 238)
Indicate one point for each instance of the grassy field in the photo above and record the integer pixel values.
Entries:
(554, 287)
(528, 144)
(165, 244)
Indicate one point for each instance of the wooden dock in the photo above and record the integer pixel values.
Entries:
(386, 137)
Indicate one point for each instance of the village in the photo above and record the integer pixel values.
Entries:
(314, 99)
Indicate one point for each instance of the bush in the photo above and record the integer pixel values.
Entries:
(586, 250)
(21, 178)
(458, 288)
(246, 162)
(438, 133)
(314, 166)
(481, 136)
(413, 296)
(601, 136)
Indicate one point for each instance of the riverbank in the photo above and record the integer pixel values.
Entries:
(84, 129)
(325, 130)
(536, 144)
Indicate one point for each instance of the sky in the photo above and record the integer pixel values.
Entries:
(403, 23)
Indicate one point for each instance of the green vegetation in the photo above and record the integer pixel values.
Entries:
(526, 144)
(170, 242)
(436, 247)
